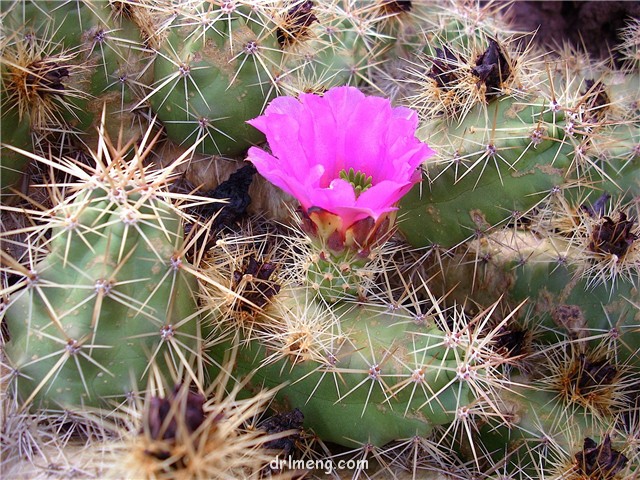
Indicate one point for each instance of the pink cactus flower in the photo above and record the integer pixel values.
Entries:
(346, 153)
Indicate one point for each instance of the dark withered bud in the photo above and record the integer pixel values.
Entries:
(391, 7)
(295, 23)
(596, 100)
(260, 289)
(161, 418)
(444, 69)
(281, 423)
(613, 237)
(46, 76)
(594, 375)
(511, 341)
(235, 190)
(600, 461)
(492, 68)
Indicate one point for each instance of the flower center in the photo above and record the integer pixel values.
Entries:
(358, 180)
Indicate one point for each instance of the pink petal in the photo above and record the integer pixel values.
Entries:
(383, 196)
(315, 137)
(269, 167)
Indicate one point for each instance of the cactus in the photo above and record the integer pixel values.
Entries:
(578, 397)
(388, 368)
(592, 274)
(493, 174)
(502, 157)
(213, 73)
(108, 290)
(376, 373)
(204, 69)
(66, 61)
(16, 132)
(195, 429)
(495, 337)
(179, 425)
(509, 128)
(219, 66)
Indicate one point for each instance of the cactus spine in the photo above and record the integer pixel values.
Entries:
(501, 344)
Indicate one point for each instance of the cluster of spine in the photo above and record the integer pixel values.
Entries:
(61, 63)
(534, 200)
(387, 368)
(200, 70)
(103, 367)
(104, 289)
(176, 429)
(502, 344)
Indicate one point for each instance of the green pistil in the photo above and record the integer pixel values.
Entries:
(358, 179)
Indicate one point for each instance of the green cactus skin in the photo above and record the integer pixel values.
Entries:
(96, 58)
(543, 436)
(210, 80)
(210, 69)
(363, 392)
(109, 298)
(336, 50)
(210, 83)
(495, 173)
(339, 275)
(503, 146)
(501, 161)
(605, 311)
(568, 309)
(363, 372)
(115, 64)
(555, 279)
(16, 132)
